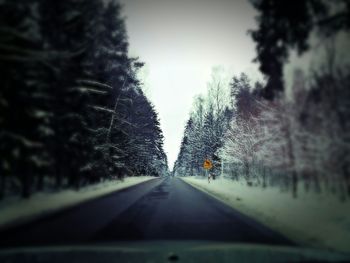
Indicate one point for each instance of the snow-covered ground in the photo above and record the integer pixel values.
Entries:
(316, 220)
(16, 210)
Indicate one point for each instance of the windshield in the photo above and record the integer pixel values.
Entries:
(176, 121)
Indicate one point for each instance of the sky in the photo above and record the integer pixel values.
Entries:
(181, 41)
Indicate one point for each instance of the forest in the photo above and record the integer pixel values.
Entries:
(72, 107)
(262, 134)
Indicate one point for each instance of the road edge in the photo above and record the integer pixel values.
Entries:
(251, 217)
(42, 215)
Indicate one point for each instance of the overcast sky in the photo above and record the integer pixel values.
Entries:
(181, 41)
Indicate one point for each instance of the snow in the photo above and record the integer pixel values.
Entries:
(99, 108)
(16, 210)
(313, 219)
(41, 114)
(26, 142)
(90, 90)
(94, 83)
(46, 130)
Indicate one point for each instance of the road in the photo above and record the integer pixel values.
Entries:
(159, 209)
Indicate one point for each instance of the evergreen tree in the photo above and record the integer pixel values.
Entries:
(72, 108)
(281, 26)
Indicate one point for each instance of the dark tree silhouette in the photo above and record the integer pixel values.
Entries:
(72, 108)
(282, 25)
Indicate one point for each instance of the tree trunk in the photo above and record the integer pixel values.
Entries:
(2, 186)
(264, 176)
(40, 182)
(295, 184)
(247, 170)
(290, 152)
(25, 192)
(346, 177)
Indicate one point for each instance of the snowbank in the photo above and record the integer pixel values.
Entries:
(315, 220)
(16, 210)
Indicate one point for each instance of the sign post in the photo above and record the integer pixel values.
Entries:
(207, 165)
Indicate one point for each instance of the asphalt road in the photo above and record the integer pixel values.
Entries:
(159, 209)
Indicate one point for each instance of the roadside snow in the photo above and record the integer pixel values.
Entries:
(16, 210)
(315, 220)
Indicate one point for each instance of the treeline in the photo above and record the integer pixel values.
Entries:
(72, 109)
(272, 138)
(286, 142)
(205, 129)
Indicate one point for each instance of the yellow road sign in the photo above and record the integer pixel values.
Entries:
(207, 164)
